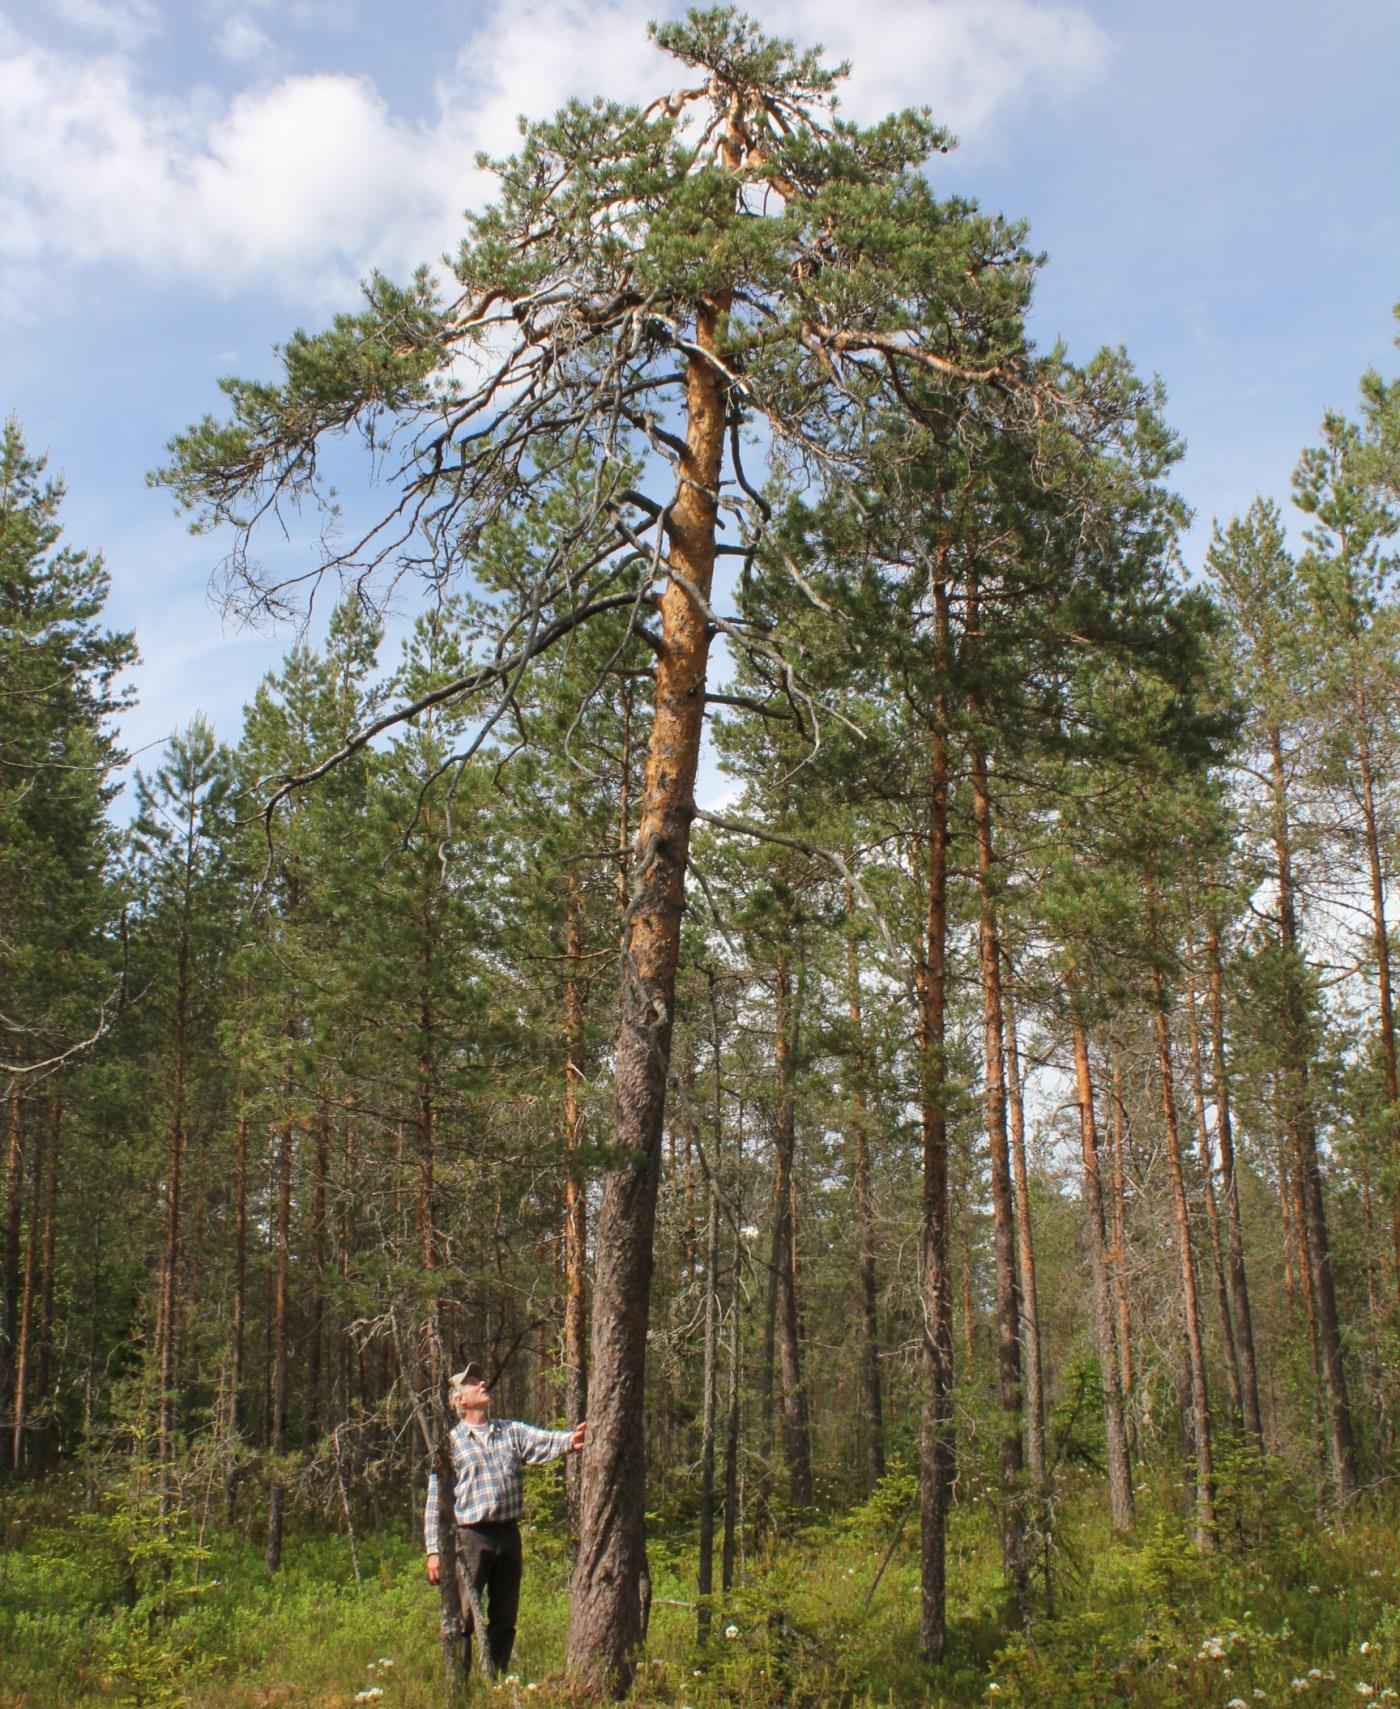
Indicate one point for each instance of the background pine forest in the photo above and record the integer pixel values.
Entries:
(1024, 1272)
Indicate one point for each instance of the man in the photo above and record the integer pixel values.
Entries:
(487, 1457)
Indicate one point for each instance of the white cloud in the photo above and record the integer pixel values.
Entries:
(124, 23)
(967, 60)
(306, 182)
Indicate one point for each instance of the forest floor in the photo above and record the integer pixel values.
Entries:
(101, 1608)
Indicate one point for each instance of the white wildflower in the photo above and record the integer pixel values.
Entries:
(1314, 1673)
(731, 1631)
(1237, 1703)
(749, 1232)
(1375, 1572)
(1298, 1684)
(1363, 1689)
(994, 1686)
(531, 1686)
(1227, 1673)
(1312, 1590)
(386, 1661)
(370, 1694)
(1365, 1646)
(699, 1673)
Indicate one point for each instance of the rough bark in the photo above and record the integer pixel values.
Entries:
(606, 1622)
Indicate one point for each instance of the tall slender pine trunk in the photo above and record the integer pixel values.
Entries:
(1198, 1409)
(1217, 1259)
(1025, 1258)
(1230, 1190)
(1381, 942)
(936, 1456)
(24, 1350)
(44, 1422)
(1120, 1471)
(797, 1452)
(867, 1290)
(575, 1352)
(1008, 1299)
(1340, 1439)
(14, 1225)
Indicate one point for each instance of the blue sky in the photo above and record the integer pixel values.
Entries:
(1215, 186)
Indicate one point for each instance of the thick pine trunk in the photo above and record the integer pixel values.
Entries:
(1120, 1472)
(606, 1622)
(1203, 1506)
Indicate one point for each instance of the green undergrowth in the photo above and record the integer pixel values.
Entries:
(107, 1608)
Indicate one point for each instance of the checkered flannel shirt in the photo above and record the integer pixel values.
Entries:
(486, 1462)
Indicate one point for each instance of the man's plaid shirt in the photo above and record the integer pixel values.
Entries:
(486, 1462)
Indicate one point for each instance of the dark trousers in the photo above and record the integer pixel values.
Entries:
(489, 1559)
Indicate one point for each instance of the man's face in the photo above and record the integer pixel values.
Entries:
(472, 1398)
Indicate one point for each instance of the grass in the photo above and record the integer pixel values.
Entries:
(100, 1610)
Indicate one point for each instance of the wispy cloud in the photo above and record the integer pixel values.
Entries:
(305, 182)
(124, 23)
(240, 40)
